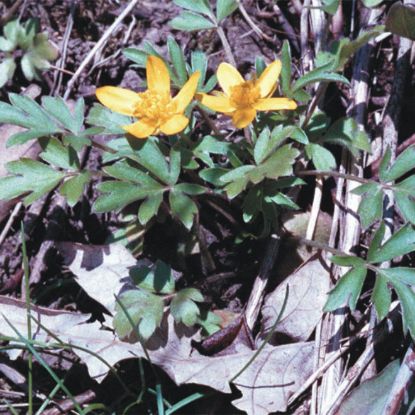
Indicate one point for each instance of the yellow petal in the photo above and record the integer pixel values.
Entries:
(174, 125)
(228, 76)
(118, 99)
(140, 129)
(268, 78)
(216, 103)
(242, 118)
(275, 104)
(158, 78)
(186, 94)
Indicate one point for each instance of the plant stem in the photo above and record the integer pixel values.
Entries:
(226, 45)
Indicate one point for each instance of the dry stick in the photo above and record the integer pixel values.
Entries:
(350, 230)
(10, 13)
(390, 138)
(256, 297)
(226, 45)
(394, 315)
(57, 82)
(304, 36)
(10, 221)
(104, 38)
(251, 23)
(358, 368)
(288, 29)
(401, 383)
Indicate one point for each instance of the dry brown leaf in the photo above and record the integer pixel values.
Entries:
(308, 288)
(266, 384)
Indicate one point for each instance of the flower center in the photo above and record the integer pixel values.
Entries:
(154, 107)
(245, 95)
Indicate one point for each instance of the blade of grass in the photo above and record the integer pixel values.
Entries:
(184, 402)
(29, 321)
(44, 364)
(267, 338)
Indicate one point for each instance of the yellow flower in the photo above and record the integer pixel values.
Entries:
(242, 99)
(156, 110)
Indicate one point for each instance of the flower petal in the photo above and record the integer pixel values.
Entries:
(158, 78)
(186, 94)
(220, 103)
(174, 124)
(118, 99)
(275, 104)
(268, 78)
(140, 129)
(228, 76)
(242, 118)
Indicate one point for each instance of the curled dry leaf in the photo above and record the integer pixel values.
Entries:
(308, 288)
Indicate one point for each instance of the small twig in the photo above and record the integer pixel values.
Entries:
(10, 13)
(104, 38)
(10, 221)
(288, 29)
(258, 290)
(251, 23)
(226, 45)
(315, 208)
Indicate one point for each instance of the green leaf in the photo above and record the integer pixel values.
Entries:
(331, 6)
(370, 396)
(346, 132)
(403, 275)
(400, 20)
(178, 60)
(190, 188)
(198, 6)
(116, 195)
(261, 150)
(400, 243)
(149, 208)
(144, 309)
(101, 116)
(402, 165)
(371, 3)
(57, 107)
(347, 260)
(406, 204)
(347, 290)
(376, 241)
(199, 63)
(209, 322)
(381, 297)
(407, 299)
(157, 278)
(58, 155)
(189, 22)
(213, 175)
(137, 56)
(150, 157)
(7, 68)
(183, 307)
(371, 207)
(260, 65)
(282, 199)
(183, 208)
(319, 75)
(286, 68)
(28, 176)
(322, 158)
(224, 8)
(6, 45)
(73, 188)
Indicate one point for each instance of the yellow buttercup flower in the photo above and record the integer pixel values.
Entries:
(155, 108)
(242, 99)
